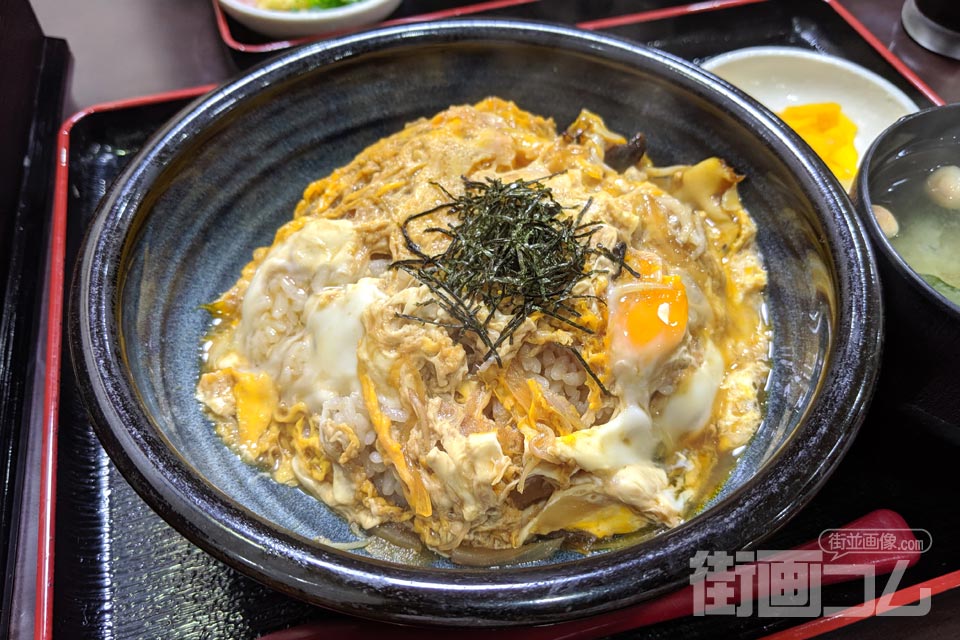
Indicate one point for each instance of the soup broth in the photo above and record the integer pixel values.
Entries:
(928, 238)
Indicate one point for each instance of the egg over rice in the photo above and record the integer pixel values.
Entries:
(333, 365)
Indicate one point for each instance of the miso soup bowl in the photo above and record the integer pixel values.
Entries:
(216, 182)
(919, 377)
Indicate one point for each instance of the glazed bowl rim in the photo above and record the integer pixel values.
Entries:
(505, 596)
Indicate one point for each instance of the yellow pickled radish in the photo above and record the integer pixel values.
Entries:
(829, 132)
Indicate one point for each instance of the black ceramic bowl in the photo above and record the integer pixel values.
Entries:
(919, 376)
(216, 182)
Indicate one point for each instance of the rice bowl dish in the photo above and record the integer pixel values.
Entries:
(482, 392)
(182, 221)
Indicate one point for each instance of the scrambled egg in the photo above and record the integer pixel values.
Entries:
(341, 375)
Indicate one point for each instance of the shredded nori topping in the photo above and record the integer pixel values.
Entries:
(514, 249)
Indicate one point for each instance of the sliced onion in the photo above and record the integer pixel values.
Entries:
(479, 557)
(307, 483)
(398, 536)
(344, 546)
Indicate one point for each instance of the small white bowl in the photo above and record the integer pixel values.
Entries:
(296, 24)
(779, 77)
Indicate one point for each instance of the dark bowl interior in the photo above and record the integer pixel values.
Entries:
(216, 182)
(923, 328)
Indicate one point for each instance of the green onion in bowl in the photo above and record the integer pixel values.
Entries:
(301, 5)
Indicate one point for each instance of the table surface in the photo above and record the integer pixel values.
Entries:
(125, 48)
(175, 43)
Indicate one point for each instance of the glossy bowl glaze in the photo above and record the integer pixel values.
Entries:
(212, 185)
(920, 378)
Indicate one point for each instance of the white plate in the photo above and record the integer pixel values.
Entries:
(295, 24)
(779, 77)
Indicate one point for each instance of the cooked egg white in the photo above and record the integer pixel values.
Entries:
(688, 409)
(333, 331)
(317, 359)
(626, 439)
(319, 254)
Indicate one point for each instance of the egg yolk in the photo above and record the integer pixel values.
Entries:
(829, 132)
(256, 398)
(653, 317)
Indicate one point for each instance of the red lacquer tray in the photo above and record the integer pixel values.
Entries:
(108, 567)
